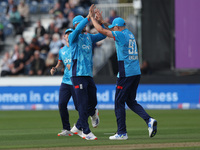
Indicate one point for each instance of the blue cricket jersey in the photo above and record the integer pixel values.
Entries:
(81, 47)
(65, 57)
(127, 53)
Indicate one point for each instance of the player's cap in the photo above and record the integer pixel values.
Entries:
(77, 19)
(117, 22)
(69, 30)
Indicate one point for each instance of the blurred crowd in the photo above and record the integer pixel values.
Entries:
(40, 55)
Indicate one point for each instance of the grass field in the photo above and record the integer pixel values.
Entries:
(38, 129)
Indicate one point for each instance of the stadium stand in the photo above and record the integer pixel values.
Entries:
(55, 17)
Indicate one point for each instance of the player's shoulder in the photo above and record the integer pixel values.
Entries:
(118, 34)
(61, 48)
(127, 31)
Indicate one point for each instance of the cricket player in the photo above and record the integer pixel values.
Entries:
(82, 76)
(128, 75)
(66, 88)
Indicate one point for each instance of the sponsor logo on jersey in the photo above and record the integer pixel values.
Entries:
(86, 47)
(67, 61)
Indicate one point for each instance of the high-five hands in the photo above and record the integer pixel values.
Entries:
(91, 11)
(98, 16)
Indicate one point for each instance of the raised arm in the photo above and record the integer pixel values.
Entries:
(78, 29)
(97, 37)
(98, 27)
(99, 18)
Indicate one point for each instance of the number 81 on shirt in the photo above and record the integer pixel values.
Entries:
(132, 50)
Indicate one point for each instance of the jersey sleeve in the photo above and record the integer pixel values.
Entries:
(97, 37)
(118, 36)
(74, 35)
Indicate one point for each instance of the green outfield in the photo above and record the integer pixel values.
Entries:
(38, 129)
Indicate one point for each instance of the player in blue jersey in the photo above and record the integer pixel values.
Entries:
(82, 76)
(66, 88)
(128, 75)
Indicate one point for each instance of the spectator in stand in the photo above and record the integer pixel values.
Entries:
(62, 3)
(113, 15)
(34, 45)
(21, 44)
(17, 67)
(73, 4)
(56, 9)
(44, 42)
(15, 53)
(60, 21)
(9, 7)
(28, 58)
(70, 19)
(15, 19)
(83, 7)
(55, 44)
(57, 30)
(85, 3)
(23, 9)
(39, 30)
(51, 29)
(37, 65)
(5, 65)
(66, 10)
(49, 63)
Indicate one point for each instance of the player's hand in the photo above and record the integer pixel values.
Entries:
(53, 70)
(98, 16)
(91, 11)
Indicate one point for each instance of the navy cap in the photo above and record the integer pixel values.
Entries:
(69, 30)
(117, 22)
(77, 19)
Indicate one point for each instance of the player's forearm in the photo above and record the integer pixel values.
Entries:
(105, 24)
(78, 30)
(59, 64)
(82, 24)
(88, 17)
(100, 29)
(97, 26)
(55, 69)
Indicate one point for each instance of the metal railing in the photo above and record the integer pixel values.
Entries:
(124, 10)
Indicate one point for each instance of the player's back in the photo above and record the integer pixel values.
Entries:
(127, 53)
